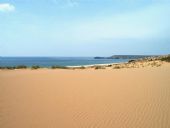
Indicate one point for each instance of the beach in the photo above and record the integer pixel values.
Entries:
(84, 64)
(137, 97)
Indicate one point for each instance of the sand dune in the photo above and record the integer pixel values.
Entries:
(122, 98)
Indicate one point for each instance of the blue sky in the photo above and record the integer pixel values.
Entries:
(84, 27)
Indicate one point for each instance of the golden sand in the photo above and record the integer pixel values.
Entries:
(105, 98)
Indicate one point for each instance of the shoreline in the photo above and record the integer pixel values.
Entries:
(69, 66)
(136, 63)
(78, 66)
(92, 65)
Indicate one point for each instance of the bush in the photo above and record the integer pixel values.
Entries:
(82, 67)
(8, 67)
(35, 67)
(109, 65)
(131, 61)
(117, 67)
(14, 67)
(21, 67)
(59, 67)
(167, 58)
(99, 67)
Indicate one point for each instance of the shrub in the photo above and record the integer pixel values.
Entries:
(117, 67)
(35, 67)
(8, 67)
(59, 67)
(167, 58)
(14, 67)
(99, 67)
(109, 65)
(82, 67)
(21, 67)
(131, 61)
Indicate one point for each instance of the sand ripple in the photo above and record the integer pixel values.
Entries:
(126, 98)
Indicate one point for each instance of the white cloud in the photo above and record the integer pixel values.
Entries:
(6, 7)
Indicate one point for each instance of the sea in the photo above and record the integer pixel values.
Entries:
(55, 61)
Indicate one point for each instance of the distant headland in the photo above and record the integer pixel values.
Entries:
(126, 57)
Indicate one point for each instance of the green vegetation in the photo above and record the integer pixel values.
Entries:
(14, 67)
(109, 65)
(116, 67)
(167, 58)
(59, 67)
(131, 61)
(35, 67)
(21, 67)
(99, 67)
(8, 67)
(82, 67)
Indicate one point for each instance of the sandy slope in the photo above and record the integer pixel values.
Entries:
(122, 98)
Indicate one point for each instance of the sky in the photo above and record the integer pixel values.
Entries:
(84, 27)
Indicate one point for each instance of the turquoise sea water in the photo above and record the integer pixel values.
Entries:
(52, 61)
